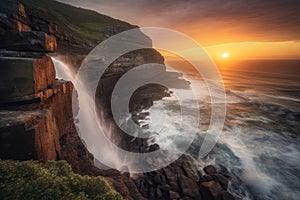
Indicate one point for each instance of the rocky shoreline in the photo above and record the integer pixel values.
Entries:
(36, 113)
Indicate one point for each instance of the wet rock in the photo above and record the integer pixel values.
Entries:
(156, 179)
(158, 193)
(153, 147)
(143, 115)
(227, 196)
(169, 174)
(152, 193)
(189, 172)
(187, 198)
(207, 178)
(210, 169)
(189, 187)
(174, 195)
(174, 186)
(211, 190)
(221, 179)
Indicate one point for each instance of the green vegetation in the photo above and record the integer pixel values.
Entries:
(87, 25)
(53, 180)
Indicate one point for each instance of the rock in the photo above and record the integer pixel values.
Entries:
(16, 140)
(221, 179)
(153, 147)
(211, 190)
(207, 178)
(24, 79)
(14, 9)
(158, 193)
(173, 195)
(210, 169)
(189, 172)
(169, 174)
(164, 188)
(34, 133)
(174, 186)
(227, 196)
(187, 198)
(189, 187)
(143, 115)
(28, 41)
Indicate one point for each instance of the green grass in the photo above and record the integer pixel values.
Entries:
(53, 180)
(89, 26)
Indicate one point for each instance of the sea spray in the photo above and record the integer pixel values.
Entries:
(86, 104)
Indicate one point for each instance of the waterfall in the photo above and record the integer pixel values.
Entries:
(90, 124)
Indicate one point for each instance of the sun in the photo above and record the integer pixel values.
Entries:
(225, 55)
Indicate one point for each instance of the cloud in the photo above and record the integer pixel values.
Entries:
(210, 21)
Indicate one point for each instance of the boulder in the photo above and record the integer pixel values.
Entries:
(173, 195)
(211, 190)
(28, 41)
(189, 187)
(227, 196)
(221, 179)
(153, 147)
(210, 169)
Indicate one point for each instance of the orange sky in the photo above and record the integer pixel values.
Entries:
(244, 29)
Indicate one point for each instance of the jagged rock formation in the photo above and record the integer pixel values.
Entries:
(36, 114)
(31, 99)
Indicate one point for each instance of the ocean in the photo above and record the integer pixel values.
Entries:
(259, 147)
(260, 142)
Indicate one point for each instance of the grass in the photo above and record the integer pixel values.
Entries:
(89, 26)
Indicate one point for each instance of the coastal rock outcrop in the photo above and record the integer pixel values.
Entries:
(35, 108)
(36, 114)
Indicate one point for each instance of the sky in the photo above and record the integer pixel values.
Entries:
(245, 29)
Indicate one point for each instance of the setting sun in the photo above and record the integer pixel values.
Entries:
(225, 55)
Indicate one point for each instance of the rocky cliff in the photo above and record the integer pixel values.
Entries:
(31, 98)
(35, 108)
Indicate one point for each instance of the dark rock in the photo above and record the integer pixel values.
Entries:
(189, 187)
(156, 179)
(221, 179)
(174, 186)
(227, 196)
(23, 79)
(210, 169)
(158, 193)
(14, 9)
(189, 172)
(207, 178)
(174, 195)
(169, 174)
(211, 190)
(143, 115)
(188, 198)
(164, 188)
(152, 193)
(28, 41)
(224, 171)
(153, 147)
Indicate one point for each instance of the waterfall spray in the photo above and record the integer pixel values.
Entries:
(86, 109)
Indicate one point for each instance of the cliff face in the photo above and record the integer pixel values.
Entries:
(35, 108)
